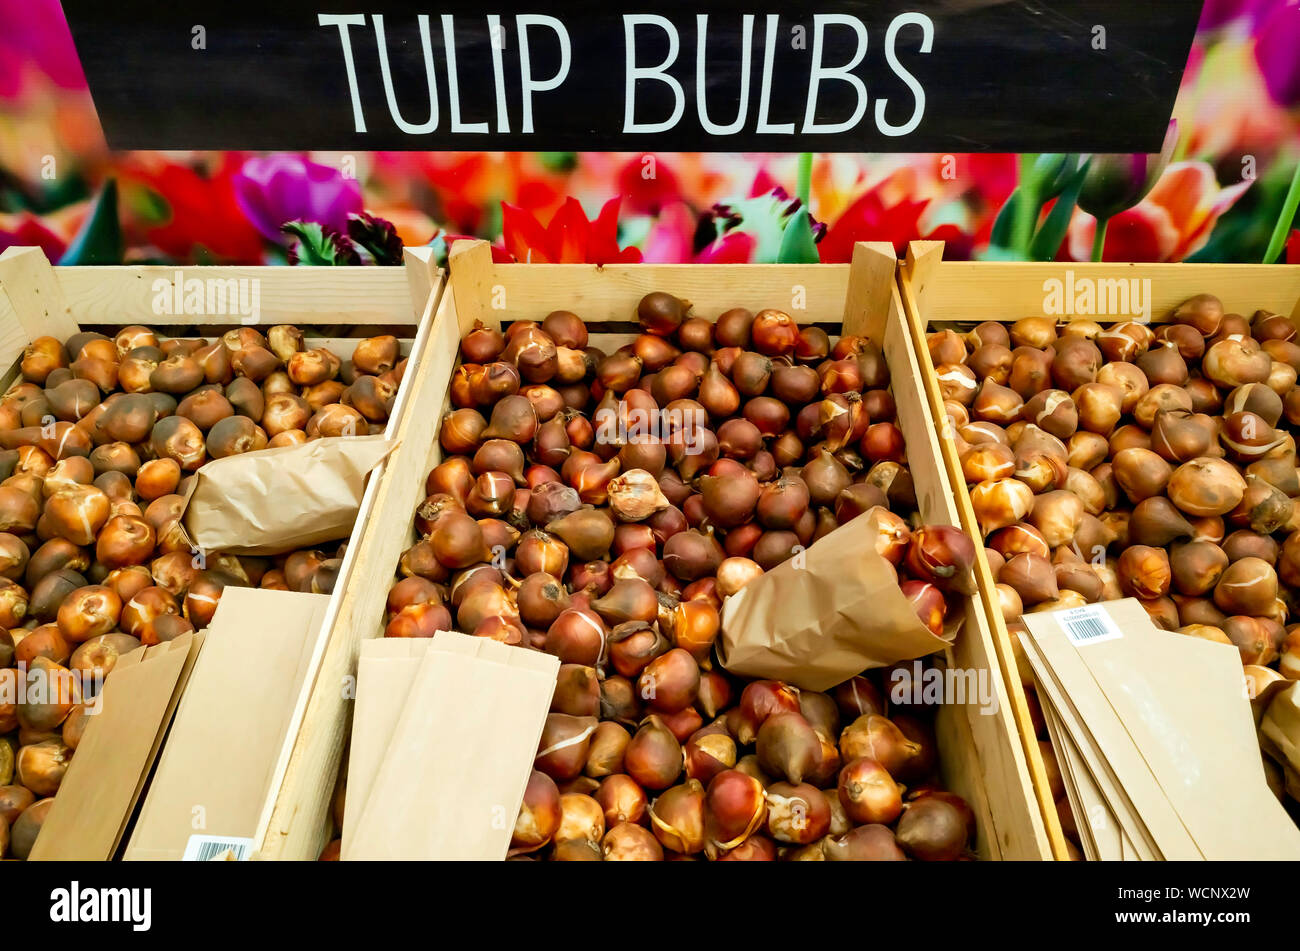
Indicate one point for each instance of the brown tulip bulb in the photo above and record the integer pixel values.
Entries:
(654, 756)
(539, 814)
(1206, 487)
(1000, 502)
(1144, 572)
(933, 830)
(735, 808)
(1248, 586)
(868, 793)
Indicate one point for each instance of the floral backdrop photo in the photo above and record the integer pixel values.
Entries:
(1224, 188)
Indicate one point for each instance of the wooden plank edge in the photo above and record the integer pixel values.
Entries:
(1002, 788)
(471, 264)
(984, 576)
(35, 294)
(283, 814)
(871, 285)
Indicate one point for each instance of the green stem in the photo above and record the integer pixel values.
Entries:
(1099, 239)
(803, 187)
(1284, 220)
(1027, 207)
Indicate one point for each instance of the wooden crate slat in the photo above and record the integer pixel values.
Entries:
(36, 296)
(983, 759)
(923, 261)
(295, 823)
(13, 341)
(597, 293)
(871, 283)
(479, 299)
(1005, 291)
(288, 295)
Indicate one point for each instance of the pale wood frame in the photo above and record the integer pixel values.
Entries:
(37, 299)
(937, 292)
(982, 755)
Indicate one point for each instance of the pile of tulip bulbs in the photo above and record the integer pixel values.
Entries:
(1151, 461)
(97, 440)
(602, 506)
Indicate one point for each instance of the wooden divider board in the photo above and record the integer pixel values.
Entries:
(384, 297)
(36, 295)
(981, 754)
(936, 292)
(983, 760)
(295, 820)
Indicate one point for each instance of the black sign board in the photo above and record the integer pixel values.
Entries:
(816, 75)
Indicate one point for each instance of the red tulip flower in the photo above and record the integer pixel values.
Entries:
(570, 238)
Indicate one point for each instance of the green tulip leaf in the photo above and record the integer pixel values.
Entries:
(319, 245)
(797, 243)
(100, 239)
(1047, 241)
(1004, 224)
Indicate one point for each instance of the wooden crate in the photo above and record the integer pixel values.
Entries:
(940, 294)
(334, 307)
(982, 756)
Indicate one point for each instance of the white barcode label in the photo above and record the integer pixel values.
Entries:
(1088, 625)
(205, 848)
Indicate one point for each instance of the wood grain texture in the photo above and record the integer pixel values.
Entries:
(295, 820)
(13, 341)
(600, 293)
(115, 296)
(479, 300)
(35, 294)
(421, 275)
(981, 755)
(924, 273)
(1006, 291)
(871, 284)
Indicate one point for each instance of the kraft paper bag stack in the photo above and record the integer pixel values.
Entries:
(1155, 738)
(385, 672)
(215, 772)
(103, 783)
(825, 615)
(277, 500)
(444, 735)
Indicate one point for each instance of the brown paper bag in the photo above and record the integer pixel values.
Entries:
(1099, 830)
(214, 773)
(104, 779)
(824, 615)
(1078, 717)
(276, 500)
(454, 772)
(1212, 772)
(1197, 746)
(385, 672)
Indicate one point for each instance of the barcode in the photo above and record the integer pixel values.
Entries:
(205, 848)
(1088, 625)
(1086, 628)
